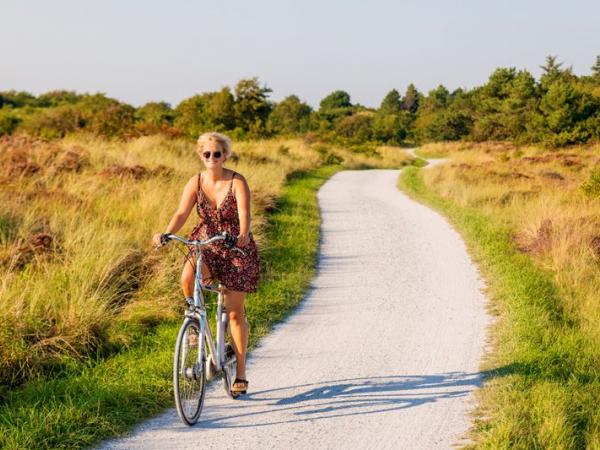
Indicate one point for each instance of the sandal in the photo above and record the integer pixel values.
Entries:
(242, 386)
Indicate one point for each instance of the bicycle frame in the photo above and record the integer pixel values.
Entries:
(199, 313)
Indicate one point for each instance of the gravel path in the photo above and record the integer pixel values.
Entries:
(382, 353)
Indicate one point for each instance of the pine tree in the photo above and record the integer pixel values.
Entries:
(410, 102)
(391, 103)
(596, 69)
(552, 71)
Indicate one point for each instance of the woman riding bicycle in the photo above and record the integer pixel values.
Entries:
(222, 199)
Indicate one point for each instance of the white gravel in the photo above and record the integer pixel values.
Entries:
(382, 353)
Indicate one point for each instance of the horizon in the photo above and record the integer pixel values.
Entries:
(140, 51)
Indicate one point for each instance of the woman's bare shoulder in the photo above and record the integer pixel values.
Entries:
(238, 176)
(239, 181)
(192, 183)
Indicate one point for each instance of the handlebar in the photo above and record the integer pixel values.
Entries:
(229, 239)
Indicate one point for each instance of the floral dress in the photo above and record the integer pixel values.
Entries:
(236, 272)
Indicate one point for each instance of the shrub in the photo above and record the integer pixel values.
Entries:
(355, 128)
(592, 186)
(8, 122)
(53, 122)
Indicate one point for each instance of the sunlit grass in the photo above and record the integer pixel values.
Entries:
(99, 286)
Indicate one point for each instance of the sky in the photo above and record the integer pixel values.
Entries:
(139, 51)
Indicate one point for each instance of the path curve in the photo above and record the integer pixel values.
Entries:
(382, 353)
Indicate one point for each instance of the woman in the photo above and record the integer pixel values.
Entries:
(222, 199)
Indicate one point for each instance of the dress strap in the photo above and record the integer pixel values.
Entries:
(199, 188)
(232, 177)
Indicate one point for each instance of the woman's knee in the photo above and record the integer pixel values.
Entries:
(237, 316)
(234, 302)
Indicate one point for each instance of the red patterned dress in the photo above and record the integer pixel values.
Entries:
(236, 272)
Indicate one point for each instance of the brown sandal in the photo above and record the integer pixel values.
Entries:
(242, 386)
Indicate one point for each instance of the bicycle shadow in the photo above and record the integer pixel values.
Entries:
(338, 398)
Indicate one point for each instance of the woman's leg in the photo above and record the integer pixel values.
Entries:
(187, 277)
(234, 302)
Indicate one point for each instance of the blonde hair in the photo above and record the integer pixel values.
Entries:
(224, 142)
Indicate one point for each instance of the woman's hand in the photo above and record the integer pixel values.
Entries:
(156, 239)
(243, 239)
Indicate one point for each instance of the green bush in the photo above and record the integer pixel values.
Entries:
(355, 128)
(8, 122)
(290, 116)
(592, 186)
(53, 123)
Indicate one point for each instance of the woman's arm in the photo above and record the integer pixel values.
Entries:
(187, 202)
(242, 197)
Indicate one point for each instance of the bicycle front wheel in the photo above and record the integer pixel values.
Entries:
(189, 374)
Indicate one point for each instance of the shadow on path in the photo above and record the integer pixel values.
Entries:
(337, 398)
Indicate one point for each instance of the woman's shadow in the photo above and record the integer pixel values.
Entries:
(338, 398)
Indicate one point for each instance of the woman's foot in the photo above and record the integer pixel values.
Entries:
(192, 340)
(239, 386)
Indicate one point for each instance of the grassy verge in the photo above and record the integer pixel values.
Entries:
(543, 378)
(109, 397)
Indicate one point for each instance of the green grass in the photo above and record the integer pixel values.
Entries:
(542, 385)
(109, 396)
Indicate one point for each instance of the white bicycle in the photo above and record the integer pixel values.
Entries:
(193, 365)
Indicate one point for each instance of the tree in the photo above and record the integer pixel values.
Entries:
(391, 103)
(596, 69)
(499, 83)
(54, 122)
(551, 67)
(355, 128)
(564, 113)
(17, 99)
(335, 100)
(251, 106)
(221, 110)
(289, 116)
(391, 128)
(410, 101)
(552, 72)
(106, 116)
(155, 114)
(59, 97)
(190, 115)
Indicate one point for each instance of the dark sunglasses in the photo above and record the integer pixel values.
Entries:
(216, 154)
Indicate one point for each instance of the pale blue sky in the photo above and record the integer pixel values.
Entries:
(139, 51)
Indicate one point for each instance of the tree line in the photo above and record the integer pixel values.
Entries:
(560, 108)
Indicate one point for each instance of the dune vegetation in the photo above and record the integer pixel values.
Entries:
(79, 277)
(531, 218)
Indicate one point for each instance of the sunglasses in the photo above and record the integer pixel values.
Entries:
(216, 154)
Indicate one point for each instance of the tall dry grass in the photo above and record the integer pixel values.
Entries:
(538, 194)
(79, 277)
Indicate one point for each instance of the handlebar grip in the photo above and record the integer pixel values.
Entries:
(230, 240)
(164, 238)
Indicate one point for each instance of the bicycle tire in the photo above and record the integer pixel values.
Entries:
(229, 371)
(189, 378)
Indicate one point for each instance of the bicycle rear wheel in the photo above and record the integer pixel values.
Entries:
(189, 374)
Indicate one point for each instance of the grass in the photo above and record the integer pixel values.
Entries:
(89, 357)
(543, 376)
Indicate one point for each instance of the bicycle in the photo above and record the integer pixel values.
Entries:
(193, 366)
